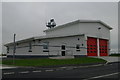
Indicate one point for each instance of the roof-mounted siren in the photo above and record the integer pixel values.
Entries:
(51, 23)
(48, 24)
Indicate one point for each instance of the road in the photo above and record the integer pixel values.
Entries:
(83, 73)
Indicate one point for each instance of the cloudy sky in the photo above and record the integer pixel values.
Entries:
(27, 19)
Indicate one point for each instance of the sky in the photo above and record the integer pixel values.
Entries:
(0, 27)
(28, 19)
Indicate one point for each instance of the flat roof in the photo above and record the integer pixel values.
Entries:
(41, 38)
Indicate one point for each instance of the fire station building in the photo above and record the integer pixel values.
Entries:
(76, 38)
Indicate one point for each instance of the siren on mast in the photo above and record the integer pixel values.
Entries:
(51, 23)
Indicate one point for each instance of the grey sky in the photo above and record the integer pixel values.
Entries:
(28, 19)
(0, 27)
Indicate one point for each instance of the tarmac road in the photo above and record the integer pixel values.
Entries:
(100, 72)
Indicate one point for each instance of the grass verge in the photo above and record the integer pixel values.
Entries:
(52, 62)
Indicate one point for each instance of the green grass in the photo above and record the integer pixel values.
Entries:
(115, 55)
(52, 62)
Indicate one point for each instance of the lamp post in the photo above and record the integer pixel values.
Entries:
(14, 49)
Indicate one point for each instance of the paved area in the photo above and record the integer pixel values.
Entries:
(84, 73)
(110, 59)
(6, 67)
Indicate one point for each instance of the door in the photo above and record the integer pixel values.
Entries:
(103, 44)
(91, 46)
(63, 50)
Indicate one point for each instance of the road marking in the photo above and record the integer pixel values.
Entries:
(102, 76)
(63, 67)
(48, 70)
(75, 67)
(8, 73)
(24, 72)
(37, 71)
(90, 66)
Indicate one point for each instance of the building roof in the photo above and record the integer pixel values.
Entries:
(80, 21)
(41, 38)
(60, 26)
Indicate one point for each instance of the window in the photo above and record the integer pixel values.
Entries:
(63, 47)
(39, 41)
(17, 44)
(45, 47)
(30, 47)
(77, 47)
(7, 49)
(82, 44)
(33, 41)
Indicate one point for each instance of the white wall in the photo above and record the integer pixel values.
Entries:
(91, 29)
(67, 30)
(68, 41)
(82, 28)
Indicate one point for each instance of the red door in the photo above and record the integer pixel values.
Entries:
(91, 46)
(103, 44)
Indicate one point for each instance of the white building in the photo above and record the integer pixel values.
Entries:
(78, 38)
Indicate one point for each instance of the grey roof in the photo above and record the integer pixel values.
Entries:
(80, 21)
(41, 38)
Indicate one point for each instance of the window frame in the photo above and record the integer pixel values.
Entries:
(45, 46)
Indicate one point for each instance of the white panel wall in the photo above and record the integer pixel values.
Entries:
(70, 43)
(67, 30)
(90, 29)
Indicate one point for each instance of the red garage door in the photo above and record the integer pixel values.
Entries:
(103, 47)
(91, 46)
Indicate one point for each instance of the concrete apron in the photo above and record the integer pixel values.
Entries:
(109, 59)
(6, 67)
